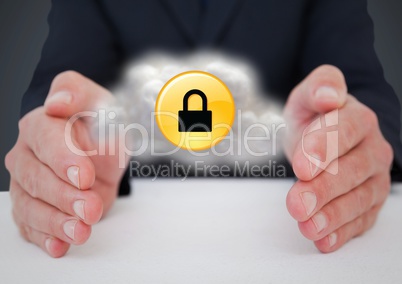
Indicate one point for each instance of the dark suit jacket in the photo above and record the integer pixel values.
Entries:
(284, 39)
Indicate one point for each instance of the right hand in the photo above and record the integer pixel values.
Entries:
(57, 195)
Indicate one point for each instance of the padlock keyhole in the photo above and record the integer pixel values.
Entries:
(195, 103)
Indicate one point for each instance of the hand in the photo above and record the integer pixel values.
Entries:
(342, 185)
(56, 194)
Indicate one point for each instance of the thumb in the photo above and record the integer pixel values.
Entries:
(72, 92)
(322, 91)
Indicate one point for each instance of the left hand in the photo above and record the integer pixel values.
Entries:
(344, 182)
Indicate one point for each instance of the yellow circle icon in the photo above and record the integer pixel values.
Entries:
(195, 110)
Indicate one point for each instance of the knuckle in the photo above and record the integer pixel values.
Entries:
(320, 146)
(371, 197)
(66, 78)
(23, 232)
(66, 75)
(359, 201)
(349, 131)
(329, 69)
(42, 141)
(10, 159)
(12, 194)
(370, 193)
(14, 214)
(367, 221)
(387, 182)
(325, 182)
(57, 160)
(387, 153)
(370, 117)
(325, 190)
(331, 213)
(29, 181)
(61, 198)
(37, 147)
(385, 185)
(312, 144)
(358, 169)
(331, 72)
(53, 223)
(22, 124)
(359, 226)
(384, 154)
(372, 218)
(15, 194)
(26, 209)
(28, 232)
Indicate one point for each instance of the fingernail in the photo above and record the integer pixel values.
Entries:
(320, 221)
(69, 228)
(332, 239)
(309, 200)
(326, 92)
(60, 97)
(48, 242)
(79, 208)
(73, 174)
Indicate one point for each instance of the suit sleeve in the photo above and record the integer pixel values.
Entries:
(341, 33)
(79, 39)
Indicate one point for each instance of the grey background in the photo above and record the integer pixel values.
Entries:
(23, 29)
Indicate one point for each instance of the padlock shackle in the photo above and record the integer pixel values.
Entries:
(195, 92)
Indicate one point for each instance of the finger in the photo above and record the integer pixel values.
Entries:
(355, 228)
(71, 93)
(39, 181)
(53, 246)
(47, 219)
(305, 198)
(347, 207)
(331, 136)
(322, 91)
(46, 137)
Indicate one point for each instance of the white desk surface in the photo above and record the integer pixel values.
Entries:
(206, 231)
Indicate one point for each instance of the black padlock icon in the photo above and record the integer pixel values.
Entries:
(195, 120)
